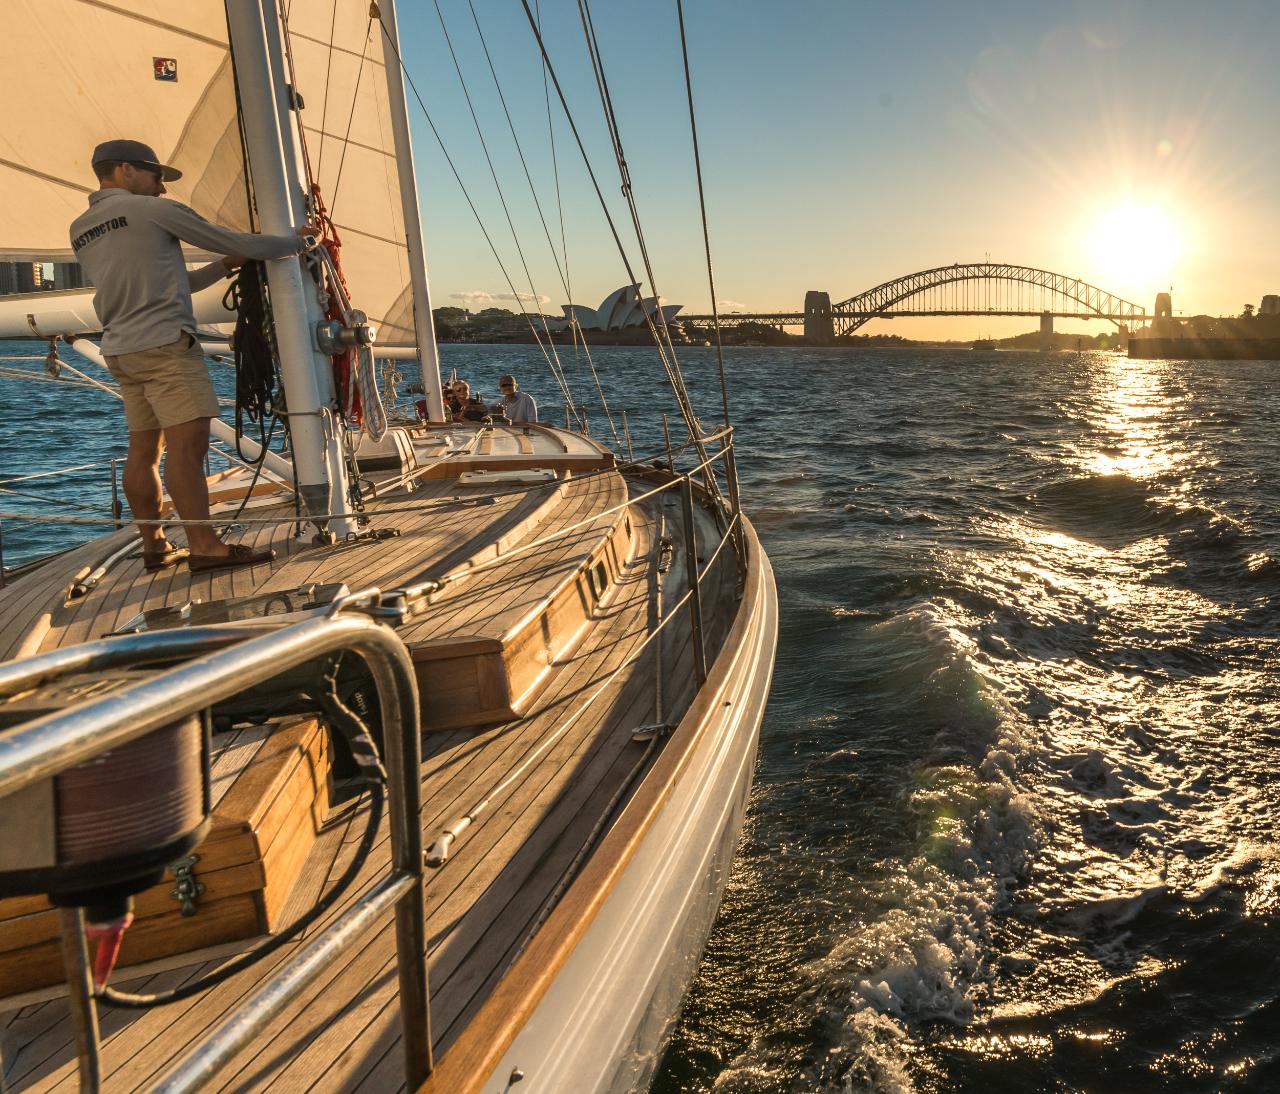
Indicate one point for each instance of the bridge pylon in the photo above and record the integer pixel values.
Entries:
(819, 326)
(1046, 331)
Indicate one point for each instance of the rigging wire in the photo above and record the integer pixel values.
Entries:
(557, 370)
(484, 45)
(328, 69)
(355, 97)
(555, 168)
(574, 327)
(561, 270)
(702, 206)
(463, 187)
(686, 409)
(615, 134)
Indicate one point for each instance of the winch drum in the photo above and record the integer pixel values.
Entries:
(105, 828)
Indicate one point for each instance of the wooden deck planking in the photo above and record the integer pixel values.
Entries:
(472, 849)
(483, 602)
(525, 579)
(22, 602)
(126, 590)
(504, 914)
(488, 850)
(523, 836)
(467, 793)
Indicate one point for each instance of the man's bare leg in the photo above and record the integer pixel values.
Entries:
(188, 444)
(142, 485)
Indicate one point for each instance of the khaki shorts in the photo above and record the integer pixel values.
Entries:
(164, 386)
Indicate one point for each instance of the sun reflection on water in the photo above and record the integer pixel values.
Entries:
(1132, 405)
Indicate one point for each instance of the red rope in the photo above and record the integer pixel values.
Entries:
(344, 382)
(344, 364)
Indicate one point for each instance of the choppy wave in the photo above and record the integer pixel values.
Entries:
(1023, 754)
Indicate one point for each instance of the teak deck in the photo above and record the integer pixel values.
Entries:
(507, 656)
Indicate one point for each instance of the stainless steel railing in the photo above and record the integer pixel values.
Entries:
(227, 661)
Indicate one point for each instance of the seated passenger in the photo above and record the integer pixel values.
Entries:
(456, 394)
(516, 404)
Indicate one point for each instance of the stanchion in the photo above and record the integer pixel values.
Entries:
(626, 436)
(117, 510)
(695, 590)
(735, 504)
(84, 1015)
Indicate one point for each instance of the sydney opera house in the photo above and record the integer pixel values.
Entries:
(624, 307)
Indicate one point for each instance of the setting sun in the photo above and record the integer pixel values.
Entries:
(1134, 247)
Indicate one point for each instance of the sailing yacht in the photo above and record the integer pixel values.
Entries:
(445, 795)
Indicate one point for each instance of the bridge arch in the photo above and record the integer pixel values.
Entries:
(1037, 291)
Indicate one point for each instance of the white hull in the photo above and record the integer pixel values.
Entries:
(605, 1019)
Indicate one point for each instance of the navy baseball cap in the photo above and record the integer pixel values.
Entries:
(135, 152)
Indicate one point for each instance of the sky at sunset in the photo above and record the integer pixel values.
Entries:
(846, 144)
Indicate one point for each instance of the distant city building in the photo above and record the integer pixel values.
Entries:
(623, 307)
(21, 277)
(1270, 305)
(69, 275)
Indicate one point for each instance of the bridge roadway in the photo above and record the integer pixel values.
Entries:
(796, 319)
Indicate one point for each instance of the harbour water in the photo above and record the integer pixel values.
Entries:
(1014, 823)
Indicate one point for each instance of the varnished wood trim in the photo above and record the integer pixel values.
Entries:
(468, 1064)
(438, 649)
(518, 462)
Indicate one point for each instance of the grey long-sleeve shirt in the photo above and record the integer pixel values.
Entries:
(128, 245)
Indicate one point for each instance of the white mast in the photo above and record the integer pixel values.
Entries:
(429, 356)
(278, 192)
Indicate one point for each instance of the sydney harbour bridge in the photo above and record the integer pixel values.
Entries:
(970, 288)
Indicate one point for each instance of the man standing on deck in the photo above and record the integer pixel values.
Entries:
(516, 404)
(128, 243)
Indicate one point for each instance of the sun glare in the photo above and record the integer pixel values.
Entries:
(1135, 247)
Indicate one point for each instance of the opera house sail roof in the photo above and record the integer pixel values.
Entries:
(623, 307)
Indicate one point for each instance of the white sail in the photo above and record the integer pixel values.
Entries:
(160, 72)
(150, 71)
(341, 75)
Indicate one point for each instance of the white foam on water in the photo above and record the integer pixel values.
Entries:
(922, 950)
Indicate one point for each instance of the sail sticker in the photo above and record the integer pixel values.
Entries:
(166, 68)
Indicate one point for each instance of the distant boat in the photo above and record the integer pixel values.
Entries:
(983, 343)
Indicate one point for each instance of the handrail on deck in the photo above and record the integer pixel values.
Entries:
(230, 659)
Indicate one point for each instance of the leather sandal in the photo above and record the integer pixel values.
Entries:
(162, 560)
(240, 556)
